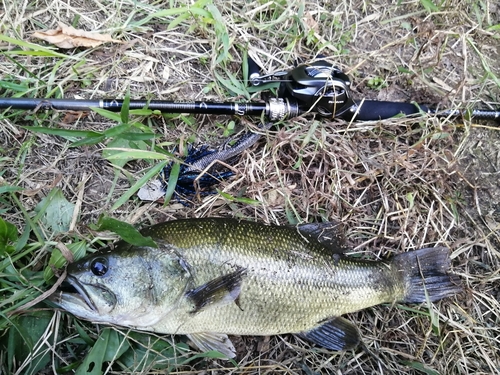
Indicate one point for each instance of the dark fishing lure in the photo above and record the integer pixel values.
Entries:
(205, 167)
(198, 180)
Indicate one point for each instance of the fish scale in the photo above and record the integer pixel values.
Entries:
(299, 276)
(224, 276)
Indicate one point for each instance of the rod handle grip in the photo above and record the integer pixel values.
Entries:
(372, 110)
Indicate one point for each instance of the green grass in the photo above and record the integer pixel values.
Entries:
(396, 184)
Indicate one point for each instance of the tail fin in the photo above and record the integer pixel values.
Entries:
(426, 274)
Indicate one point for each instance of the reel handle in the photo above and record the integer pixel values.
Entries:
(253, 72)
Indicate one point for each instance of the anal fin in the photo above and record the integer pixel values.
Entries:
(336, 334)
(207, 341)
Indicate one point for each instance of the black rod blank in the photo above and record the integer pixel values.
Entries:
(477, 114)
(198, 107)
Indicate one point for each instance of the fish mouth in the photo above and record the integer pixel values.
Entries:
(72, 287)
(87, 301)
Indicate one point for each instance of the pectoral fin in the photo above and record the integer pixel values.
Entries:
(219, 291)
(207, 341)
(336, 334)
(328, 234)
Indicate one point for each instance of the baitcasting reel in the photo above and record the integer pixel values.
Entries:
(316, 87)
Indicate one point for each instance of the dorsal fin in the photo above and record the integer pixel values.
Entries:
(328, 234)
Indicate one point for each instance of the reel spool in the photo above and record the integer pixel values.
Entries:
(319, 87)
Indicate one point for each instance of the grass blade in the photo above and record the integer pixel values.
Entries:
(153, 172)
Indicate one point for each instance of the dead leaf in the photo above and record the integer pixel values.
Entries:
(69, 37)
(71, 117)
(310, 22)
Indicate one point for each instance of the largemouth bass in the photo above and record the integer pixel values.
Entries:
(212, 277)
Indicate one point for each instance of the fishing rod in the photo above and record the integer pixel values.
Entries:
(317, 87)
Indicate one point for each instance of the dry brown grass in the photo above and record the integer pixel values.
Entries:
(396, 185)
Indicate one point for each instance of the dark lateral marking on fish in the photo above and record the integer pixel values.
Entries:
(219, 291)
(336, 334)
(336, 259)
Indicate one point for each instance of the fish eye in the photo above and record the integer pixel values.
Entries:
(99, 266)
